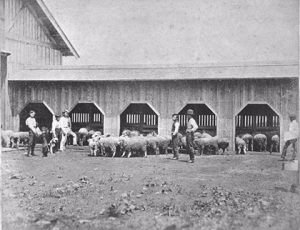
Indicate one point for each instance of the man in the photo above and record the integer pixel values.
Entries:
(191, 128)
(33, 133)
(291, 137)
(175, 139)
(66, 128)
(56, 131)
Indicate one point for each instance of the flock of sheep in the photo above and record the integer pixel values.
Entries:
(133, 143)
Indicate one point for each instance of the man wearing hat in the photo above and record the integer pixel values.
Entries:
(191, 128)
(33, 133)
(66, 128)
(291, 137)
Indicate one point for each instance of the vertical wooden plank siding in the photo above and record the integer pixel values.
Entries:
(225, 98)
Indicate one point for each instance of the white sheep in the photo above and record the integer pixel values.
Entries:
(5, 138)
(109, 143)
(207, 143)
(240, 146)
(19, 137)
(248, 138)
(135, 145)
(260, 141)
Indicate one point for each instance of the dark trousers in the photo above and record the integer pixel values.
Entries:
(31, 144)
(190, 145)
(175, 145)
(58, 136)
(286, 145)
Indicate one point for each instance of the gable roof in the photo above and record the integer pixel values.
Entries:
(55, 31)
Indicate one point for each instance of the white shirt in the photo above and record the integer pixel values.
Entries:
(64, 122)
(55, 124)
(293, 131)
(192, 125)
(31, 123)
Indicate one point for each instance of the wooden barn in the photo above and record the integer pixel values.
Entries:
(228, 99)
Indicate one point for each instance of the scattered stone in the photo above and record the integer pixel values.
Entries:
(84, 221)
(14, 177)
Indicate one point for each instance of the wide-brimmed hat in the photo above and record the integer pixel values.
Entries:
(292, 115)
(57, 115)
(190, 112)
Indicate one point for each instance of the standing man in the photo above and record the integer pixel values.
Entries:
(175, 138)
(32, 125)
(291, 137)
(66, 128)
(191, 128)
(56, 131)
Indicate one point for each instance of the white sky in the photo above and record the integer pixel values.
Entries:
(178, 31)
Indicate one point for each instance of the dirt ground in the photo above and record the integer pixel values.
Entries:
(73, 191)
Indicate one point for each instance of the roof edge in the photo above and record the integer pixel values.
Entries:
(57, 27)
(162, 66)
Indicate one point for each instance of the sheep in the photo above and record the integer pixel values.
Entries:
(209, 144)
(223, 144)
(261, 142)
(93, 143)
(5, 138)
(182, 141)
(158, 143)
(19, 137)
(275, 140)
(82, 135)
(109, 143)
(131, 145)
(129, 133)
(240, 146)
(91, 133)
(248, 138)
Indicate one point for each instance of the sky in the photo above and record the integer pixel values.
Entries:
(126, 32)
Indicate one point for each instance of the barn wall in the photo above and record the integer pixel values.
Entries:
(224, 97)
(29, 44)
(27, 39)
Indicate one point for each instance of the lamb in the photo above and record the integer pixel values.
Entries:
(5, 138)
(133, 145)
(93, 143)
(248, 138)
(275, 140)
(109, 143)
(260, 140)
(240, 146)
(223, 144)
(19, 137)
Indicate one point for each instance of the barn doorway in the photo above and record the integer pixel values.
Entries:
(258, 118)
(140, 117)
(87, 115)
(203, 115)
(44, 115)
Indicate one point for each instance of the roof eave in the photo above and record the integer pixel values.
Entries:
(69, 48)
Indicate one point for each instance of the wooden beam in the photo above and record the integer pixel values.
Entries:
(16, 17)
(24, 40)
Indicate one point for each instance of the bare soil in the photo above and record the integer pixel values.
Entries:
(73, 191)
